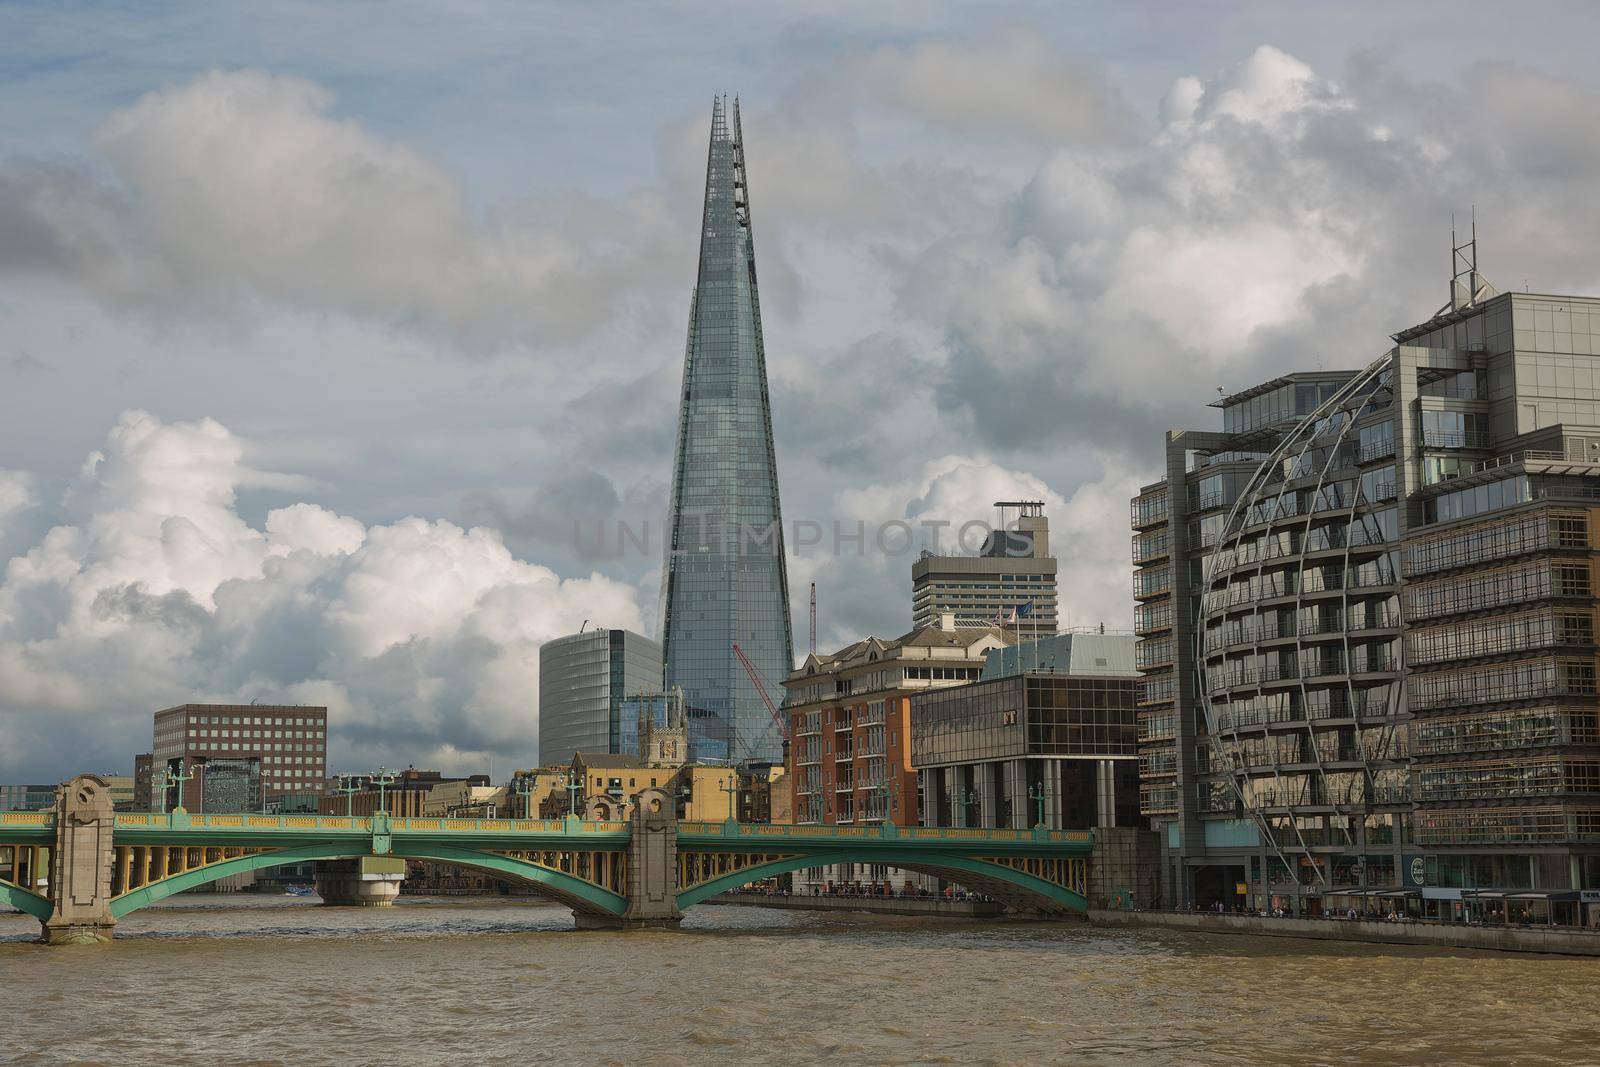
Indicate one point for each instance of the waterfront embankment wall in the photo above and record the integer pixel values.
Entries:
(1558, 940)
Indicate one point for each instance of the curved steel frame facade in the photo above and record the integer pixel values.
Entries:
(1286, 471)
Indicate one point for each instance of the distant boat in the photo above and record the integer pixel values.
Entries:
(298, 891)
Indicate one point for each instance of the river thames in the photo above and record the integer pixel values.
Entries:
(255, 980)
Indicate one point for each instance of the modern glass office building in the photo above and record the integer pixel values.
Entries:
(724, 580)
(584, 679)
(1367, 616)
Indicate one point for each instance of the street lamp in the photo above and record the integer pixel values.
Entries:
(178, 778)
(349, 788)
(731, 787)
(382, 780)
(886, 795)
(526, 787)
(572, 795)
(960, 800)
(1038, 795)
(200, 795)
(166, 784)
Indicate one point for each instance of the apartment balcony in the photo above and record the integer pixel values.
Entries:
(1149, 548)
(1453, 439)
(1149, 510)
(1373, 451)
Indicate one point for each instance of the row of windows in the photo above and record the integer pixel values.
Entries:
(1491, 683)
(1158, 762)
(1151, 581)
(1157, 688)
(1519, 778)
(1158, 727)
(1454, 429)
(1321, 618)
(1509, 826)
(1291, 705)
(1464, 503)
(1540, 727)
(1493, 636)
(1534, 580)
(1147, 653)
(1276, 405)
(1154, 616)
(1148, 509)
(1367, 528)
(1491, 541)
(1390, 786)
(252, 720)
(1341, 744)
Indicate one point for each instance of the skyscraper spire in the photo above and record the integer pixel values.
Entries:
(724, 580)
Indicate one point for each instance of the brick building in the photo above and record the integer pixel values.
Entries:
(238, 755)
(850, 720)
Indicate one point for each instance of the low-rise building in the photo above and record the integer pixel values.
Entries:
(1049, 734)
(464, 798)
(764, 794)
(121, 787)
(850, 720)
(609, 783)
(404, 795)
(27, 797)
(143, 793)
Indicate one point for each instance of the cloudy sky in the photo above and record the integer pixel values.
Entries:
(321, 325)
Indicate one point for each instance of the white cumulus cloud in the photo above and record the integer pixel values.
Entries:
(421, 636)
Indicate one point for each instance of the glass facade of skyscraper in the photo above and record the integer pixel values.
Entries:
(724, 580)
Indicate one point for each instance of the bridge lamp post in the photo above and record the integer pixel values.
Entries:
(1038, 795)
(572, 795)
(200, 797)
(886, 795)
(960, 801)
(526, 787)
(383, 779)
(178, 779)
(731, 787)
(347, 786)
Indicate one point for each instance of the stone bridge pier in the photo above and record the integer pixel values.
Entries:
(365, 882)
(80, 864)
(652, 869)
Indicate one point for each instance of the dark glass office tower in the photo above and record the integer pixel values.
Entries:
(724, 580)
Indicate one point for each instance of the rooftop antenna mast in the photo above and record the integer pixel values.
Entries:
(1464, 265)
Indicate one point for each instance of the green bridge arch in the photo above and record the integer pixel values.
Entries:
(574, 892)
(937, 863)
(25, 900)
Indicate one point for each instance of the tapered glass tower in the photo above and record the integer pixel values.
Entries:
(724, 581)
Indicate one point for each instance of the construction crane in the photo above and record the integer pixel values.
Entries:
(755, 679)
(813, 617)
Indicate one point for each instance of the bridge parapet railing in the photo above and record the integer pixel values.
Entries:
(918, 833)
(358, 824)
(27, 818)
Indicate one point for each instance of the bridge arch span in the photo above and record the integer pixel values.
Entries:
(25, 900)
(1008, 885)
(575, 893)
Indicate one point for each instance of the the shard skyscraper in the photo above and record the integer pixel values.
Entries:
(724, 581)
